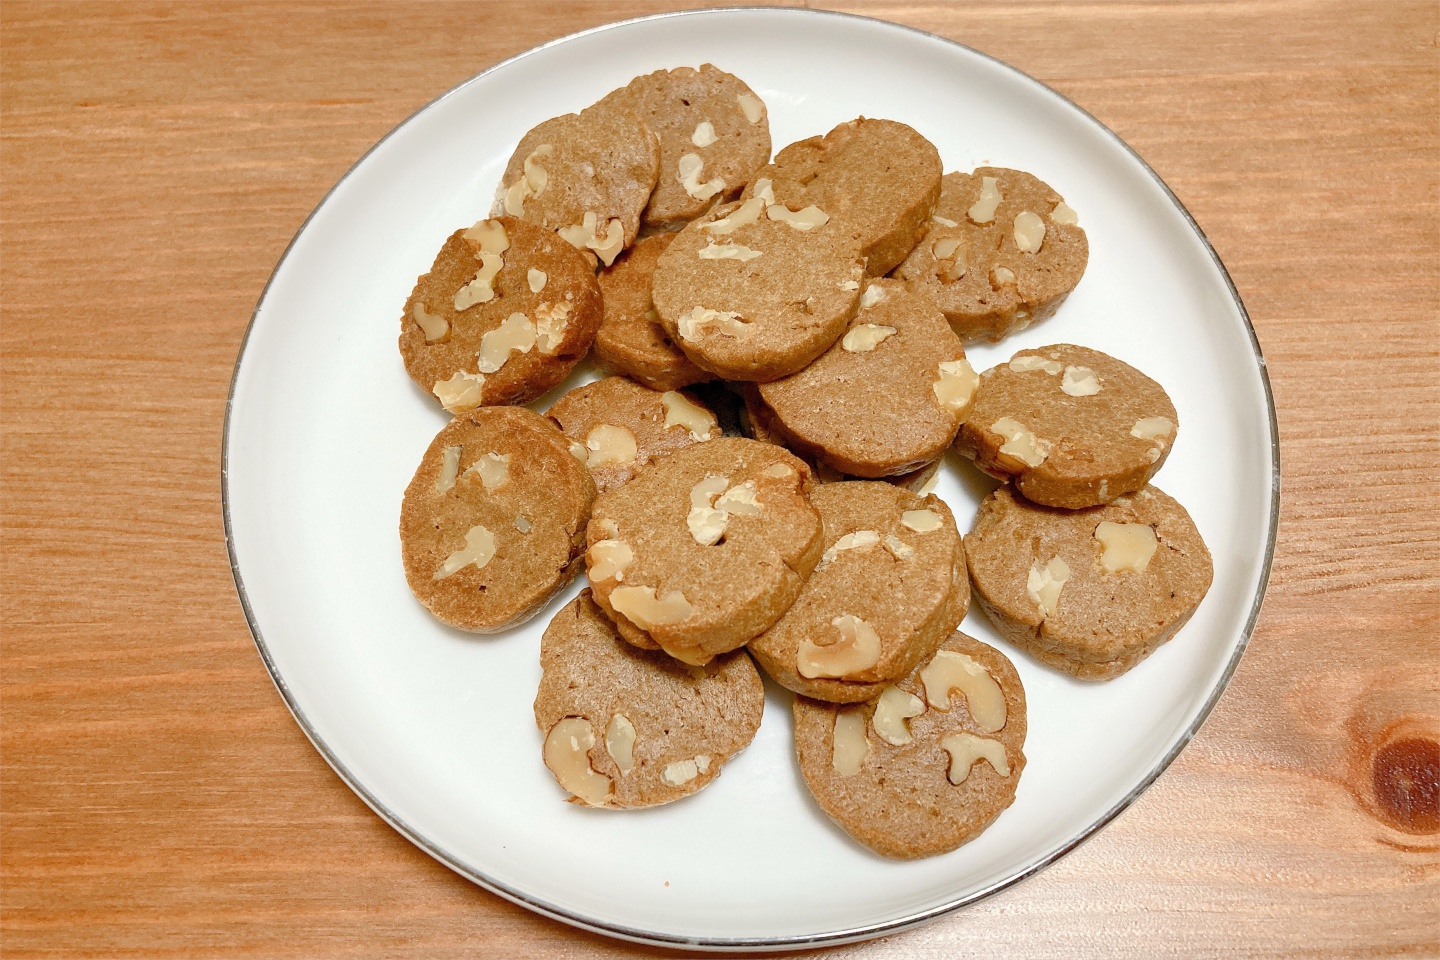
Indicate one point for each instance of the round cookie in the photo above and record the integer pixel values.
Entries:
(493, 522)
(977, 272)
(1073, 427)
(504, 314)
(714, 134)
(630, 340)
(887, 397)
(889, 589)
(705, 548)
(958, 717)
(747, 296)
(1089, 592)
(647, 729)
(878, 180)
(586, 175)
(620, 426)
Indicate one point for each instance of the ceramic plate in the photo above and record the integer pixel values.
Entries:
(433, 728)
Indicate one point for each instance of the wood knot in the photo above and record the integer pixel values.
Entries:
(1405, 777)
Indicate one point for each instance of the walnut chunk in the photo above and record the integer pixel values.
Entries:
(1125, 546)
(478, 550)
(856, 648)
(892, 711)
(567, 754)
(950, 671)
(966, 750)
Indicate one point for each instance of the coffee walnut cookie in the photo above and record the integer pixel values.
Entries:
(927, 765)
(628, 728)
(887, 398)
(713, 133)
(587, 176)
(504, 314)
(493, 523)
(1003, 251)
(1072, 427)
(705, 548)
(1088, 592)
(889, 588)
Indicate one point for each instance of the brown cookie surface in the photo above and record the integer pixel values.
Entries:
(714, 134)
(504, 314)
(889, 589)
(493, 522)
(1003, 251)
(877, 179)
(648, 729)
(1089, 592)
(953, 771)
(1073, 427)
(586, 175)
(621, 426)
(630, 340)
(888, 397)
(748, 297)
(705, 548)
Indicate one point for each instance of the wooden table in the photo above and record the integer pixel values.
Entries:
(158, 800)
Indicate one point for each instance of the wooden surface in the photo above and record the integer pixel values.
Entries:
(158, 800)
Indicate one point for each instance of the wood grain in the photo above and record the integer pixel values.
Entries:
(157, 800)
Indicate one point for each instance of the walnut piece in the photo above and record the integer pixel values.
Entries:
(856, 648)
(480, 289)
(1032, 361)
(586, 235)
(493, 469)
(742, 216)
(461, 392)
(680, 772)
(449, 467)
(537, 279)
(607, 559)
(803, 220)
(1125, 546)
(1020, 443)
(551, 322)
(892, 710)
(1080, 382)
(966, 750)
(567, 754)
(1063, 214)
(864, 337)
(620, 742)
(515, 334)
(1152, 428)
(1029, 232)
(983, 210)
(479, 548)
(955, 385)
(751, 106)
(689, 176)
(728, 251)
(850, 541)
(692, 325)
(1044, 584)
(433, 325)
(921, 521)
(681, 412)
(643, 608)
(608, 444)
(704, 134)
(955, 671)
(851, 745)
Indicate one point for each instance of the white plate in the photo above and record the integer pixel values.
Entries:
(433, 728)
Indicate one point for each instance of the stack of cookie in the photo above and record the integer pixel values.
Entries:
(751, 484)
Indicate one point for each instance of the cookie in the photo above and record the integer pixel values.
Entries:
(504, 314)
(493, 522)
(586, 175)
(705, 548)
(630, 340)
(620, 426)
(713, 132)
(627, 728)
(1071, 426)
(889, 589)
(877, 179)
(888, 397)
(1003, 251)
(928, 765)
(749, 292)
(1089, 592)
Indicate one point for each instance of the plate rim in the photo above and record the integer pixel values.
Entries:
(835, 937)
